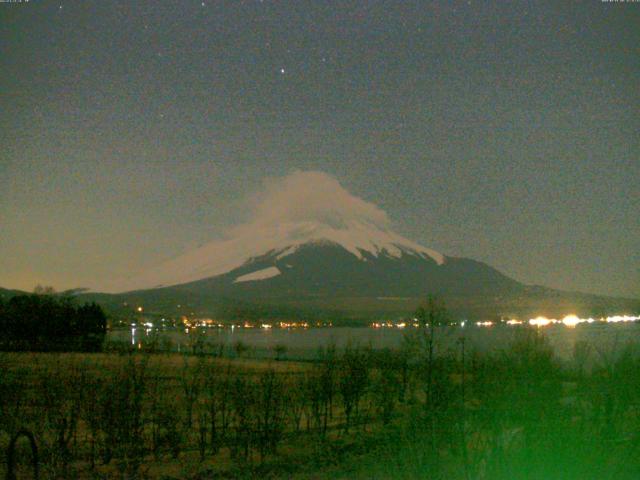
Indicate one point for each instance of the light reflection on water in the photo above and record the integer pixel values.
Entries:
(304, 343)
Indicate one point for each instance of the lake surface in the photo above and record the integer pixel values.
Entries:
(304, 343)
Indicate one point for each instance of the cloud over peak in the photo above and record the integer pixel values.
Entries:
(313, 196)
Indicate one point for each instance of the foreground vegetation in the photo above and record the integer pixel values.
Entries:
(356, 413)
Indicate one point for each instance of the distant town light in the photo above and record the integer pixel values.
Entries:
(621, 318)
(572, 320)
(484, 324)
(541, 321)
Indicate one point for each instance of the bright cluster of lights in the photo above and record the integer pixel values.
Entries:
(573, 320)
(621, 318)
(570, 321)
(542, 321)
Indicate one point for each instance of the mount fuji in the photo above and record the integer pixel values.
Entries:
(311, 245)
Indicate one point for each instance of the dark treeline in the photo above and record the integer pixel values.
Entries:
(48, 322)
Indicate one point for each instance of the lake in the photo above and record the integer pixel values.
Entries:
(301, 343)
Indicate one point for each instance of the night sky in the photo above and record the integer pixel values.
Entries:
(507, 132)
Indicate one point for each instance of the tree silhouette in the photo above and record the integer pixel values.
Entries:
(44, 321)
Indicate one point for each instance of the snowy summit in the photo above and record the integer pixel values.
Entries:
(301, 209)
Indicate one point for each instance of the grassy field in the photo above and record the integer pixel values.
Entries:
(354, 413)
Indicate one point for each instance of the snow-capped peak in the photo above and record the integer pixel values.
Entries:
(219, 257)
(357, 238)
(303, 208)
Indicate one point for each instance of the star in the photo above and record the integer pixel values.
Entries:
(282, 71)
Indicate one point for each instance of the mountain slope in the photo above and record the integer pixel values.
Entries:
(319, 269)
(360, 239)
